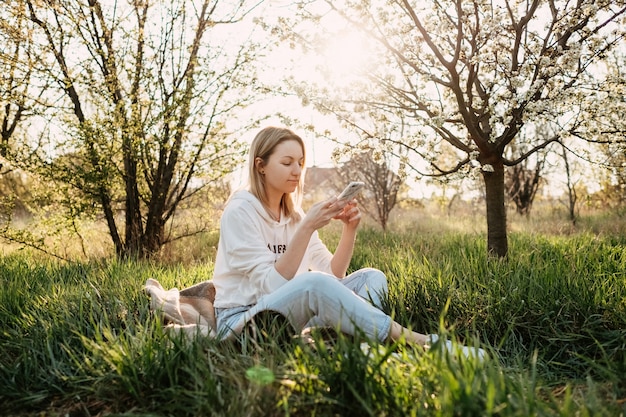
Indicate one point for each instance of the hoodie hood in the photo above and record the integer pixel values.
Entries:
(246, 197)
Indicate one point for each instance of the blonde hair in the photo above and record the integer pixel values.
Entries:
(263, 147)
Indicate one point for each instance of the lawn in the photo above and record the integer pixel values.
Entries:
(77, 338)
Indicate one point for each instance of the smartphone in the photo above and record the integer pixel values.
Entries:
(351, 191)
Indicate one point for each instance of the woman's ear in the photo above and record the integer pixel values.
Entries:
(259, 164)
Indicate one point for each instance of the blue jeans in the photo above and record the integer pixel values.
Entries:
(320, 299)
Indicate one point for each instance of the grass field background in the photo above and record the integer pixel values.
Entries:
(77, 338)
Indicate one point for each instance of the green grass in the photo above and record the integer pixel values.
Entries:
(79, 339)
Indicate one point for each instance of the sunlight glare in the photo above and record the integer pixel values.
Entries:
(345, 55)
(347, 52)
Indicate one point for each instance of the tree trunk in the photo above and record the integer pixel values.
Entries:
(497, 244)
(152, 238)
(133, 222)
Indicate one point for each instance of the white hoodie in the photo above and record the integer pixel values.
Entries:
(250, 244)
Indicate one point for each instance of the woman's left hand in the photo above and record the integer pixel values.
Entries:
(350, 215)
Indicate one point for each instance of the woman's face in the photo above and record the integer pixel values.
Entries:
(283, 169)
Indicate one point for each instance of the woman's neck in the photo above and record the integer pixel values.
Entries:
(275, 207)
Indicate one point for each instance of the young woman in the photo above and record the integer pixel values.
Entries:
(270, 257)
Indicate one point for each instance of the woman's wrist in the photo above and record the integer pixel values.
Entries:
(350, 228)
(306, 227)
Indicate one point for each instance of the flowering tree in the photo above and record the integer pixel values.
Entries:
(465, 78)
(145, 93)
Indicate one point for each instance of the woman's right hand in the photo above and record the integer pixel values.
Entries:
(320, 214)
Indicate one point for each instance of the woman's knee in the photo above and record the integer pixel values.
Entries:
(318, 284)
(373, 286)
(376, 280)
(314, 280)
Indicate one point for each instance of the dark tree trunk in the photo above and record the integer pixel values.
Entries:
(153, 238)
(497, 243)
(133, 222)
